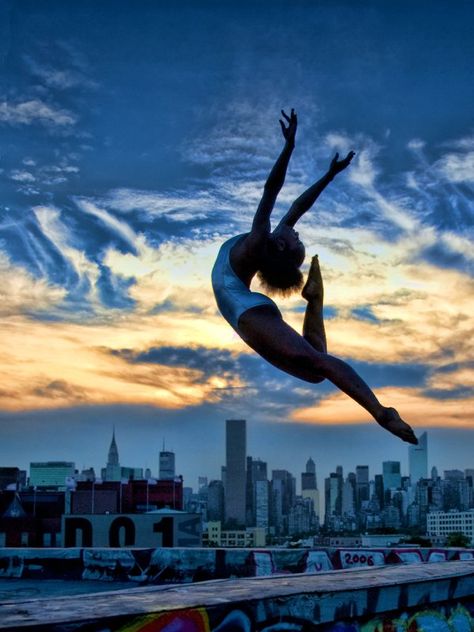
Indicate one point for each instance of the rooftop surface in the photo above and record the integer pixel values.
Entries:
(387, 588)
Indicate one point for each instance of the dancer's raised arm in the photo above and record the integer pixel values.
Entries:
(309, 197)
(276, 178)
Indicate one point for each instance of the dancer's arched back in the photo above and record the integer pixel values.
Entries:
(276, 256)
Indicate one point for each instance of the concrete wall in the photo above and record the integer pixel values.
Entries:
(186, 565)
(437, 597)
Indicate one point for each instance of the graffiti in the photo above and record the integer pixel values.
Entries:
(354, 558)
(199, 620)
(195, 620)
(189, 565)
(444, 619)
(458, 620)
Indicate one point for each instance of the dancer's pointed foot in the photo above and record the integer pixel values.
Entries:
(313, 288)
(391, 421)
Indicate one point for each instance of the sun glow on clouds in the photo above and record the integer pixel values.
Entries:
(414, 407)
(64, 364)
(19, 291)
(391, 305)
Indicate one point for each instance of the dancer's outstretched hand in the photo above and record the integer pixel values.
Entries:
(289, 132)
(337, 165)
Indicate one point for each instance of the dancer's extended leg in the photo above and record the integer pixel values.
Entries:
(264, 330)
(313, 292)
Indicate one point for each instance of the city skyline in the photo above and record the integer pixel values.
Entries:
(374, 469)
(137, 137)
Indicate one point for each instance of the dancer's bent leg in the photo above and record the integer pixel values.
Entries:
(313, 292)
(264, 330)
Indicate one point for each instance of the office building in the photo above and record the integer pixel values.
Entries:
(392, 478)
(215, 501)
(418, 459)
(441, 524)
(235, 483)
(309, 488)
(166, 465)
(362, 485)
(52, 474)
(112, 471)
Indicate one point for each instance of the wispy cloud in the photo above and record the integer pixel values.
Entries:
(456, 168)
(179, 207)
(35, 111)
(49, 221)
(20, 292)
(118, 227)
(58, 78)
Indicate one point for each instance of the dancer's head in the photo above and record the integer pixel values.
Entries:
(280, 269)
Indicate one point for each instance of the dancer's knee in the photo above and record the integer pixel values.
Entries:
(316, 379)
(311, 366)
(318, 343)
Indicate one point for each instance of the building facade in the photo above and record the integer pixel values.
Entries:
(440, 524)
(235, 479)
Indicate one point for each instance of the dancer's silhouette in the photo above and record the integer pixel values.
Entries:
(276, 256)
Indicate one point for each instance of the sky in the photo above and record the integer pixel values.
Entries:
(136, 137)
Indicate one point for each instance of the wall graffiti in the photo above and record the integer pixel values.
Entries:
(429, 599)
(193, 564)
(445, 618)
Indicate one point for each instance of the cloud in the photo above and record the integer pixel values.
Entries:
(20, 292)
(414, 407)
(56, 78)
(49, 221)
(180, 207)
(456, 168)
(50, 365)
(35, 111)
(118, 227)
(60, 390)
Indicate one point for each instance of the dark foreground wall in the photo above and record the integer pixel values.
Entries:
(436, 597)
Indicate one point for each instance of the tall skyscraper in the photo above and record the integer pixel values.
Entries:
(256, 471)
(262, 503)
(309, 487)
(215, 501)
(418, 459)
(283, 498)
(310, 466)
(167, 465)
(392, 478)
(362, 485)
(333, 496)
(348, 499)
(112, 471)
(236, 447)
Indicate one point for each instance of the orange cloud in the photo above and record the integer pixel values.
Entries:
(417, 409)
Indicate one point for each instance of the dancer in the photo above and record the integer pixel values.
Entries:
(276, 257)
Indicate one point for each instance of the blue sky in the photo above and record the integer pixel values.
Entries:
(136, 137)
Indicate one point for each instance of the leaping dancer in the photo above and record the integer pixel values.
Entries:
(276, 257)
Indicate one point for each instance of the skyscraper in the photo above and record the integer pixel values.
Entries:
(256, 471)
(167, 466)
(391, 475)
(112, 471)
(418, 459)
(236, 447)
(309, 486)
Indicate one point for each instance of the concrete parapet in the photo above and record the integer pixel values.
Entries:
(187, 565)
(436, 596)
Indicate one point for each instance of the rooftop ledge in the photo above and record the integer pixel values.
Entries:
(317, 598)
